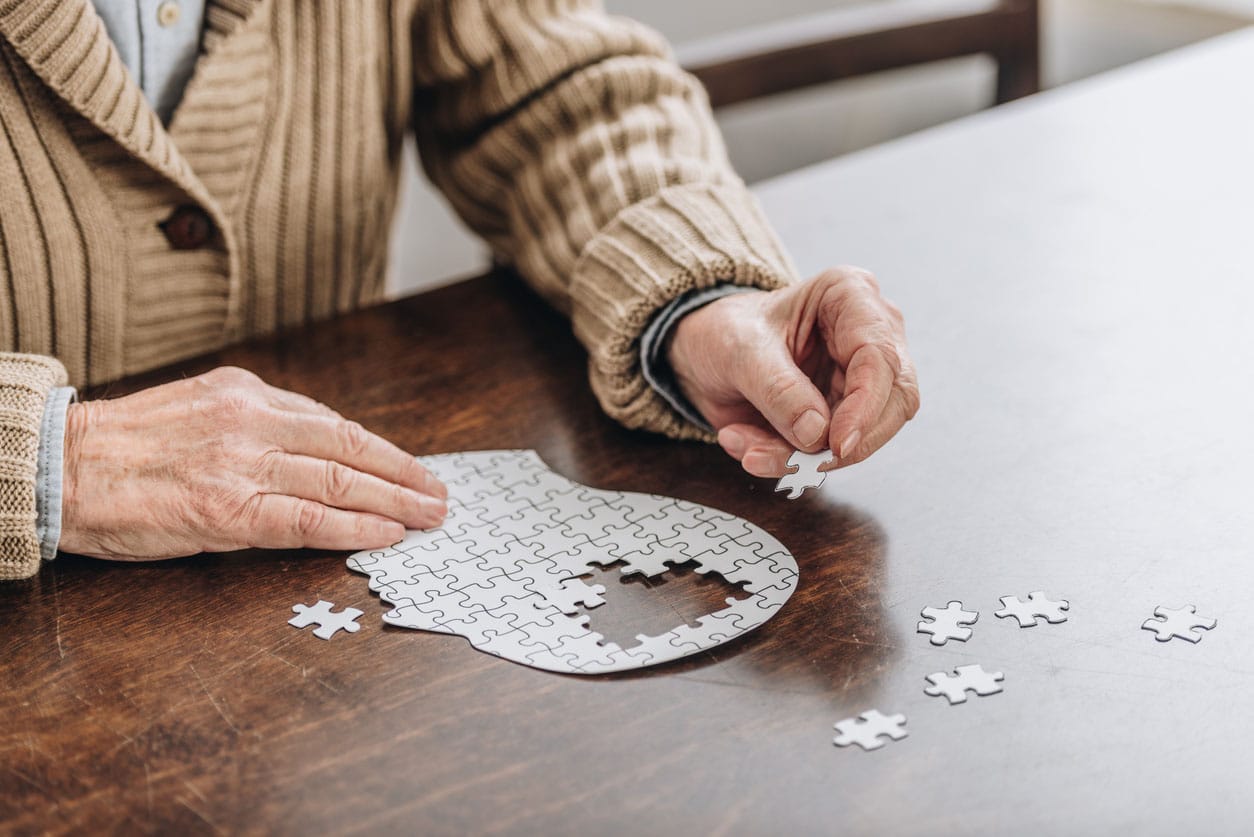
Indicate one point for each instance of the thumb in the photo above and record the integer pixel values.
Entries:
(787, 398)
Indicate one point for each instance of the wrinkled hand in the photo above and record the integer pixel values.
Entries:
(821, 364)
(223, 462)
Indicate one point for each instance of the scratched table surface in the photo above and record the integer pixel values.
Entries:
(1076, 271)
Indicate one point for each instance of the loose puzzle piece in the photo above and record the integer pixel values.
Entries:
(1178, 622)
(948, 622)
(504, 569)
(867, 731)
(965, 679)
(1037, 605)
(806, 473)
(328, 622)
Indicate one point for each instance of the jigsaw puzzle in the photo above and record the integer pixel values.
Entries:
(1037, 605)
(965, 679)
(865, 731)
(806, 473)
(1178, 622)
(328, 623)
(948, 622)
(504, 571)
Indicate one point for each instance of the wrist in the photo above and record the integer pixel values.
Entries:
(77, 417)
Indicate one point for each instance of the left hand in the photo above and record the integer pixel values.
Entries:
(821, 364)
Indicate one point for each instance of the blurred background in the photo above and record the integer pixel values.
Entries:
(779, 133)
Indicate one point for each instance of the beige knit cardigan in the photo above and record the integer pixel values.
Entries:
(566, 138)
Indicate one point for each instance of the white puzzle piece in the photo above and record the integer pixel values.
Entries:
(804, 472)
(328, 623)
(948, 622)
(504, 571)
(1178, 623)
(1038, 605)
(972, 678)
(869, 728)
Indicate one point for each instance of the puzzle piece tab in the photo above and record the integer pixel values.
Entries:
(867, 729)
(948, 622)
(806, 473)
(1037, 605)
(328, 622)
(1178, 623)
(972, 678)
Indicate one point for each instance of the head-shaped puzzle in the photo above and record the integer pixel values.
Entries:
(504, 569)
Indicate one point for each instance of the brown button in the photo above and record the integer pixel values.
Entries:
(187, 228)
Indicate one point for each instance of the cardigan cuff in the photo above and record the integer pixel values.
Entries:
(25, 383)
(681, 239)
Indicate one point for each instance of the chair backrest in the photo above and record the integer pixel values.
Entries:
(869, 38)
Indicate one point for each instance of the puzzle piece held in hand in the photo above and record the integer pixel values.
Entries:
(328, 622)
(806, 473)
(867, 729)
(1178, 623)
(948, 622)
(965, 679)
(1037, 605)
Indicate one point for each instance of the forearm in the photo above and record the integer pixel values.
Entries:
(577, 147)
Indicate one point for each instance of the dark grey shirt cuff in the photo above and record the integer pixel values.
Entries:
(49, 471)
(656, 336)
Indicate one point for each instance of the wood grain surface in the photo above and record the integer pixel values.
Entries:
(1076, 274)
(173, 696)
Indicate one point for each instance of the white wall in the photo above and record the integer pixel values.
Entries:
(1081, 37)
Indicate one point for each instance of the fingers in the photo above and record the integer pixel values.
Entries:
(348, 443)
(786, 397)
(868, 385)
(903, 404)
(759, 451)
(282, 522)
(332, 484)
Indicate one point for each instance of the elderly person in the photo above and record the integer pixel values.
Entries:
(178, 175)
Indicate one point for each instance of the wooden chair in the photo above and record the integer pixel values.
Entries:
(868, 38)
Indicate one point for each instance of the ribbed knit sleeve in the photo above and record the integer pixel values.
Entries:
(587, 158)
(25, 381)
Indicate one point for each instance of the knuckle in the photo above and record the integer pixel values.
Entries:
(910, 399)
(894, 312)
(847, 274)
(266, 466)
(231, 376)
(338, 481)
(353, 438)
(400, 497)
(309, 518)
(780, 388)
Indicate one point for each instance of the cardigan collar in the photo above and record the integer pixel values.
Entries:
(64, 42)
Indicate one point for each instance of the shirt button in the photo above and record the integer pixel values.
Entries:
(187, 228)
(168, 13)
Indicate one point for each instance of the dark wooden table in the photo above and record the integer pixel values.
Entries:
(1077, 273)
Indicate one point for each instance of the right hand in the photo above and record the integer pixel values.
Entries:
(222, 462)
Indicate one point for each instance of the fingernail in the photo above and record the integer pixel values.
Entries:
(758, 463)
(440, 490)
(809, 429)
(851, 442)
(734, 442)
